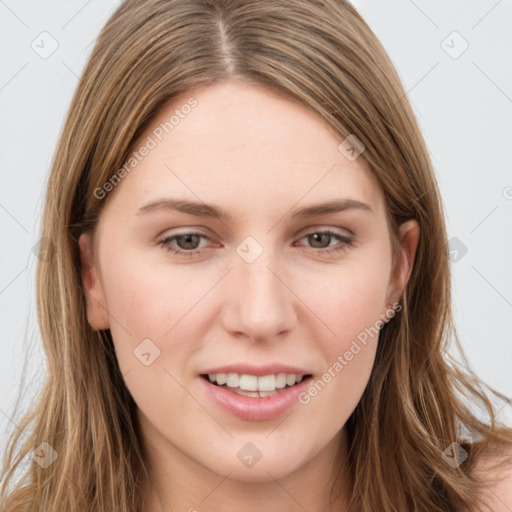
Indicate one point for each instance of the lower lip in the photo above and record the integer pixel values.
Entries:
(252, 408)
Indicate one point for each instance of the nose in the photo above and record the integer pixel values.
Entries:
(259, 302)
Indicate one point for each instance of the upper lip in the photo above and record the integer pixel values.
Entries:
(259, 371)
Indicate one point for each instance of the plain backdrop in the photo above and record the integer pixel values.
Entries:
(454, 60)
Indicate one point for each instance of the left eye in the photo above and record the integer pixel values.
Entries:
(316, 237)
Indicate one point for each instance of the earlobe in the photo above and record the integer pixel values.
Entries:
(97, 312)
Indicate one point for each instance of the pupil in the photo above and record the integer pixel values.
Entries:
(317, 237)
(187, 237)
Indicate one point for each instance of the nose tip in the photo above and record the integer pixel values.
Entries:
(258, 304)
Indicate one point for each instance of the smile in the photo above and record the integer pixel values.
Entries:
(255, 398)
(252, 385)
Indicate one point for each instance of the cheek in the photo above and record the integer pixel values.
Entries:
(156, 301)
(149, 297)
(146, 302)
(349, 302)
(153, 332)
(347, 298)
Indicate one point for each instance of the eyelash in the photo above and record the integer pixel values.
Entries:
(348, 242)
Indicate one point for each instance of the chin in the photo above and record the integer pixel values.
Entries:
(262, 471)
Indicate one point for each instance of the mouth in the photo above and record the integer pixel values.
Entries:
(255, 386)
(251, 397)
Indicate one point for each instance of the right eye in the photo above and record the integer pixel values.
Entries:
(188, 238)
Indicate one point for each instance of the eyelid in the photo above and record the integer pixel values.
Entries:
(307, 231)
(345, 241)
(324, 227)
(192, 230)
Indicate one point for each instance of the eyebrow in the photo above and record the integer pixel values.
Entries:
(210, 210)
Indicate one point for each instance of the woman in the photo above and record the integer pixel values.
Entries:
(293, 356)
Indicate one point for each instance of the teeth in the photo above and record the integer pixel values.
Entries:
(265, 383)
(290, 380)
(232, 380)
(247, 382)
(252, 383)
(280, 380)
(254, 394)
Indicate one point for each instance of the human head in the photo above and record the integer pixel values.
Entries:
(253, 294)
(145, 57)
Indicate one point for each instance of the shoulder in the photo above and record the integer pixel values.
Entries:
(497, 482)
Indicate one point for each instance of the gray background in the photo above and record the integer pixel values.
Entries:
(463, 102)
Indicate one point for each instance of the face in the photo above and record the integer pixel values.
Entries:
(274, 291)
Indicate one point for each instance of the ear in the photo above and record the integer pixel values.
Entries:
(97, 312)
(409, 233)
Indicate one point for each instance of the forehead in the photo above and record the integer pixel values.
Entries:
(240, 145)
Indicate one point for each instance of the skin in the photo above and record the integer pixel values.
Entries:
(260, 157)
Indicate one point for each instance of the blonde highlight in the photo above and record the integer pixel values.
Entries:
(322, 55)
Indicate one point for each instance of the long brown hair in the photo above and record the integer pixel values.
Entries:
(323, 55)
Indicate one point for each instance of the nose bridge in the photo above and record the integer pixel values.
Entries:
(259, 303)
